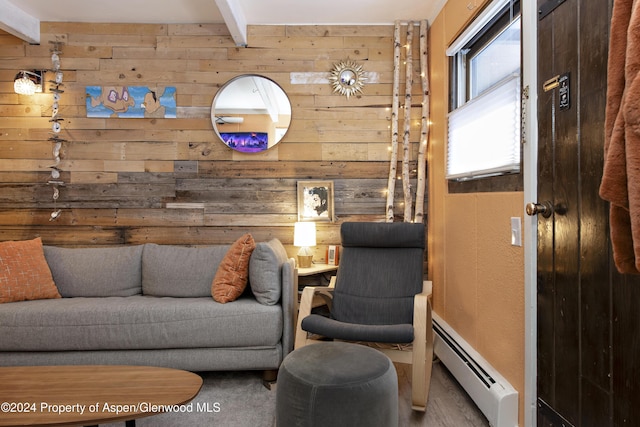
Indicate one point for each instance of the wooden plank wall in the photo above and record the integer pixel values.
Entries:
(171, 181)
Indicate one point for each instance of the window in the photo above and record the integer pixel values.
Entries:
(484, 118)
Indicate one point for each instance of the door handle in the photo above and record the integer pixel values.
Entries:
(545, 209)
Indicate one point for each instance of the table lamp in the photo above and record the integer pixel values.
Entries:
(304, 235)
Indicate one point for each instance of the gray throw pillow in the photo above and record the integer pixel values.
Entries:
(265, 271)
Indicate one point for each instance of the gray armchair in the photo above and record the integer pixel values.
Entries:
(378, 297)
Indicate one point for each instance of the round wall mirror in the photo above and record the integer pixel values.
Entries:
(251, 113)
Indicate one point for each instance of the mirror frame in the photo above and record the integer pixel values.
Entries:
(347, 78)
(218, 119)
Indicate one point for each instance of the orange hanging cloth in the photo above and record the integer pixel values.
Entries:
(621, 176)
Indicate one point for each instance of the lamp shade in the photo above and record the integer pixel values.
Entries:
(304, 234)
(28, 82)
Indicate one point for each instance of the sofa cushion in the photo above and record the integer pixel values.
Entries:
(180, 271)
(24, 272)
(265, 271)
(137, 322)
(232, 275)
(96, 272)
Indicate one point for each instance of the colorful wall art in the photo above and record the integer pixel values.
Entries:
(247, 142)
(131, 102)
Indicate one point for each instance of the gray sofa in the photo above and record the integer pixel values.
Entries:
(151, 305)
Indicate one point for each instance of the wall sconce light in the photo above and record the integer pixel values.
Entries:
(28, 82)
(304, 235)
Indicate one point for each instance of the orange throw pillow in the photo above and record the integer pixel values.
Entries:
(233, 272)
(24, 272)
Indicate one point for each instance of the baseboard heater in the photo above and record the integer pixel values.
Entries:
(495, 397)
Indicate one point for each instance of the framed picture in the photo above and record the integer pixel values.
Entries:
(332, 254)
(315, 201)
(247, 142)
(131, 102)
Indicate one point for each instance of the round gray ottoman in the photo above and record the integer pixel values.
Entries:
(337, 384)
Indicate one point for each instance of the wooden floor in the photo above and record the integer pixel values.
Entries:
(448, 405)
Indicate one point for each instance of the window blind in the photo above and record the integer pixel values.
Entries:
(484, 133)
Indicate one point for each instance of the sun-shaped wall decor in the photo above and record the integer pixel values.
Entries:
(347, 78)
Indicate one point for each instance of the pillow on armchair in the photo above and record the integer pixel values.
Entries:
(24, 272)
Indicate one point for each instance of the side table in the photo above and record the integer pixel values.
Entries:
(316, 275)
(313, 276)
(316, 269)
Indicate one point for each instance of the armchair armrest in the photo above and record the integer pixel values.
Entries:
(427, 287)
(422, 345)
(422, 315)
(306, 304)
(332, 282)
(289, 301)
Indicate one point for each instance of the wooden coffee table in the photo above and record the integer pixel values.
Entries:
(87, 395)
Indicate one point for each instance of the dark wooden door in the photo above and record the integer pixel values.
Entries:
(588, 322)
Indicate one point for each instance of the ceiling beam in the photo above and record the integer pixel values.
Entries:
(15, 21)
(234, 19)
(268, 98)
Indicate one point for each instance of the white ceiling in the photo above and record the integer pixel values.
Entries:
(16, 16)
(122, 11)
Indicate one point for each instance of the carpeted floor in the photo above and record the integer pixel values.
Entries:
(239, 399)
(227, 399)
